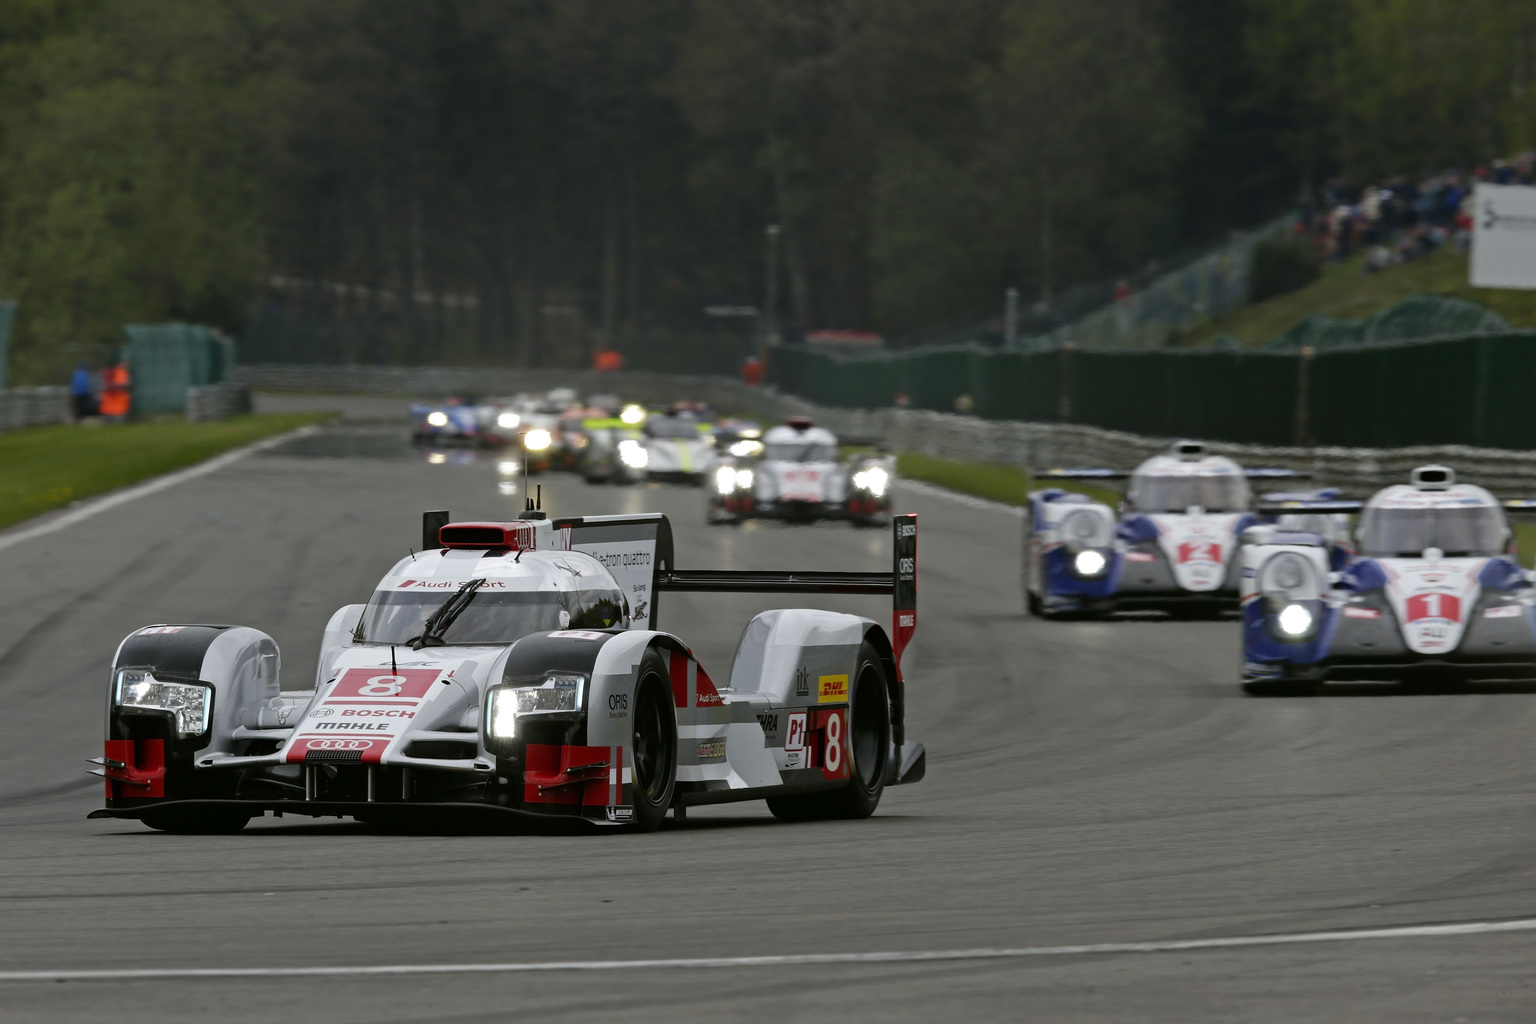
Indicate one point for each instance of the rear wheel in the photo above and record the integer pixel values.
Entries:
(869, 746)
(653, 745)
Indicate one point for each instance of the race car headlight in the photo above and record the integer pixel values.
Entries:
(632, 414)
(874, 480)
(725, 479)
(437, 419)
(1287, 578)
(559, 692)
(508, 420)
(744, 479)
(1089, 562)
(633, 454)
(137, 688)
(507, 467)
(537, 440)
(1295, 620)
(746, 449)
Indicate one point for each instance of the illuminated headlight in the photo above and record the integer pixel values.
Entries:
(136, 688)
(632, 414)
(633, 454)
(537, 440)
(508, 468)
(874, 480)
(1294, 620)
(744, 479)
(560, 692)
(437, 419)
(725, 479)
(1089, 562)
(743, 449)
(508, 420)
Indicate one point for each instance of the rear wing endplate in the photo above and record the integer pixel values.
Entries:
(900, 582)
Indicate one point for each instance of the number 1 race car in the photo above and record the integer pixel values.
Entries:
(515, 670)
(796, 473)
(1435, 591)
(1171, 546)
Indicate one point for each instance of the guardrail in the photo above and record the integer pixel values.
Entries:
(33, 407)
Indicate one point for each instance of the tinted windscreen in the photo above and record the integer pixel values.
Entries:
(1227, 493)
(666, 426)
(395, 616)
(1406, 532)
(802, 451)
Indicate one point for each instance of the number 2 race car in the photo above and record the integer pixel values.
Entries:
(1434, 592)
(796, 473)
(515, 670)
(1171, 546)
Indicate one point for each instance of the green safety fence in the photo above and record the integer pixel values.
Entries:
(164, 360)
(1472, 390)
(7, 317)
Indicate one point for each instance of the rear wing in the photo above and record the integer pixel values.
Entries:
(900, 582)
(1276, 473)
(1519, 505)
(1082, 474)
(1281, 508)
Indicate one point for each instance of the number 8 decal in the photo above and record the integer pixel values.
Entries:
(834, 755)
(381, 686)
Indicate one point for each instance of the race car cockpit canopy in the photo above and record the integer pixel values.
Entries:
(475, 593)
(1174, 483)
(1432, 512)
(680, 426)
(800, 441)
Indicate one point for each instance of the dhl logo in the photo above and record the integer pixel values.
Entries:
(831, 689)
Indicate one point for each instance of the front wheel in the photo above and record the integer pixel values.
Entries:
(869, 745)
(653, 745)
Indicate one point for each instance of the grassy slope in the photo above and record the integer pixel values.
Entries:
(1347, 292)
(44, 468)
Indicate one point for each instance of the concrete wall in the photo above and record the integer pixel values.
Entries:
(33, 407)
(217, 402)
(943, 435)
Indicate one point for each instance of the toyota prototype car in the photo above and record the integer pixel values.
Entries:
(516, 670)
(1433, 591)
(796, 473)
(1171, 545)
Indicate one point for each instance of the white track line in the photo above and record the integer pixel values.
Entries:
(935, 491)
(792, 960)
(159, 483)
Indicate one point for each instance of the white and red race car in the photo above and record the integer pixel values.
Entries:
(1433, 591)
(797, 473)
(1169, 546)
(515, 670)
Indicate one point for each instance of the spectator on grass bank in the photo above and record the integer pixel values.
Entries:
(82, 393)
(115, 399)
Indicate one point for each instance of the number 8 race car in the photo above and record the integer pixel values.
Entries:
(1171, 547)
(1434, 591)
(514, 670)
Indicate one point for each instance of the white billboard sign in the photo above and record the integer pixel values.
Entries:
(1504, 237)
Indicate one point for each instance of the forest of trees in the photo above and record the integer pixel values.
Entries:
(494, 163)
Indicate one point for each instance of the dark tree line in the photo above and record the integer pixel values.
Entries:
(523, 180)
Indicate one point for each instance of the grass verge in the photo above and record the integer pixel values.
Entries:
(1007, 484)
(44, 468)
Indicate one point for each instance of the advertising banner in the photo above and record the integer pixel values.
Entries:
(1504, 237)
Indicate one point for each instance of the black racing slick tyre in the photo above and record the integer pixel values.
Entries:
(653, 745)
(869, 745)
(197, 823)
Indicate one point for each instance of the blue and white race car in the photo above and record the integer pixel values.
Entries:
(452, 421)
(1435, 591)
(1170, 546)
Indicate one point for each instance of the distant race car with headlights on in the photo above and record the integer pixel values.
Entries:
(678, 446)
(453, 421)
(797, 473)
(517, 671)
(1433, 591)
(1171, 545)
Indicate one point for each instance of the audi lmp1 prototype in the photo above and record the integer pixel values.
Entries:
(1170, 547)
(1434, 590)
(516, 669)
(796, 473)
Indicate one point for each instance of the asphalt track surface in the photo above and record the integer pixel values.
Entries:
(1089, 783)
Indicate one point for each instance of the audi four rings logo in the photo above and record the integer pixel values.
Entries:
(339, 745)
(321, 712)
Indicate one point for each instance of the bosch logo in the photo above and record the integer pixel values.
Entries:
(322, 712)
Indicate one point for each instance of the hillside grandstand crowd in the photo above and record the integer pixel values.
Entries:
(1405, 217)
